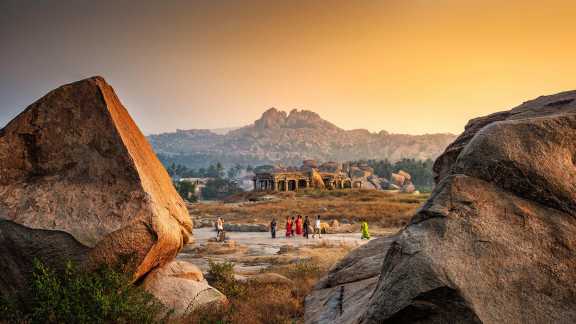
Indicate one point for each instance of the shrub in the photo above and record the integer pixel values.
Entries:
(105, 295)
(221, 277)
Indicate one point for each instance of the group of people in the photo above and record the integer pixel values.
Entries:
(295, 226)
(298, 226)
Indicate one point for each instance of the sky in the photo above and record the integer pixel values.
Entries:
(404, 66)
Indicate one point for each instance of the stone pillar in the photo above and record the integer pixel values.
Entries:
(255, 188)
(296, 185)
(275, 184)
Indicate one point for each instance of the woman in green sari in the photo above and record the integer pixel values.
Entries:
(365, 233)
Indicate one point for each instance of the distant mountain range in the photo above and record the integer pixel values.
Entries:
(288, 138)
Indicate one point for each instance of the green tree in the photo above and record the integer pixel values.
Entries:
(186, 190)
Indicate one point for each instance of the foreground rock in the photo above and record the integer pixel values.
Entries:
(181, 287)
(495, 243)
(343, 295)
(75, 163)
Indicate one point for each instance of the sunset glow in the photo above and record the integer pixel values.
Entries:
(403, 66)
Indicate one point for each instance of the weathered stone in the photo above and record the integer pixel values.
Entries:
(20, 246)
(343, 295)
(397, 179)
(406, 175)
(74, 161)
(408, 188)
(181, 287)
(495, 241)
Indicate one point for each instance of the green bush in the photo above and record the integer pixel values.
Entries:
(75, 296)
(221, 277)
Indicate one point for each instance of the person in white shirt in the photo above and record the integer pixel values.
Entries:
(317, 227)
(219, 228)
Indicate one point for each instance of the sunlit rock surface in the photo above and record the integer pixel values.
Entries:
(75, 162)
(496, 241)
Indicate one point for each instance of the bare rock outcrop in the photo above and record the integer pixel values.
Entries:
(181, 286)
(495, 243)
(75, 162)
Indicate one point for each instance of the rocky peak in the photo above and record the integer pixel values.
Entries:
(271, 118)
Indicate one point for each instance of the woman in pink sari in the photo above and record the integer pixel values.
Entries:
(288, 227)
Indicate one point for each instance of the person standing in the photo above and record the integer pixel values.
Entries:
(365, 232)
(317, 225)
(273, 228)
(306, 225)
(299, 225)
(288, 227)
(292, 227)
(219, 229)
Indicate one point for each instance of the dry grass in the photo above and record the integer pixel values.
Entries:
(379, 208)
(263, 303)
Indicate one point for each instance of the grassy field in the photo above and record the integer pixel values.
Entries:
(379, 208)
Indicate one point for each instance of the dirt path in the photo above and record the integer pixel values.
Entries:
(253, 251)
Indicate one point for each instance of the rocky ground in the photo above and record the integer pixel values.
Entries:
(256, 252)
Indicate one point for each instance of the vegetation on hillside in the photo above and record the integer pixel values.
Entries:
(105, 295)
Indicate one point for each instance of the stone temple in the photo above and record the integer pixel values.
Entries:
(329, 175)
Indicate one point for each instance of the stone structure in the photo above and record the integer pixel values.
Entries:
(306, 177)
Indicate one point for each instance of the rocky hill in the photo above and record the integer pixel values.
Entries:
(278, 137)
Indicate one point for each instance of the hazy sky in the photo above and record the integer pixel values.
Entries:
(405, 66)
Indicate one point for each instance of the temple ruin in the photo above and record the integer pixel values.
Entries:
(330, 175)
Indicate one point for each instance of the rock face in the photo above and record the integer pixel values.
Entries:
(343, 295)
(495, 243)
(20, 246)
(75, 162)
(181, 286)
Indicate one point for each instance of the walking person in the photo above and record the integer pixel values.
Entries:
(219, 229)
(299, 225)
(306, 225)
(317, 229)
(292, 227)
(288, 227)
(365, 232)
(273, 228)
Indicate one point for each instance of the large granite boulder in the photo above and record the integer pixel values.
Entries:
(343, 295)
(76, 164)
(181, 286)
(495, 243)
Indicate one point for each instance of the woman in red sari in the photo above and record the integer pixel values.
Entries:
(299, 225)
(288, 227)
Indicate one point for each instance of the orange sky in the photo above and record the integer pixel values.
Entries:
(410, 66)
